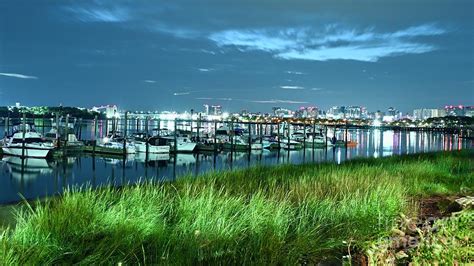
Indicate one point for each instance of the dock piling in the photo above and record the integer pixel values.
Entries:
(24, 136)
(125, 134)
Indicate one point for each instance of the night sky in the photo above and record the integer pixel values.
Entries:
(242, 54)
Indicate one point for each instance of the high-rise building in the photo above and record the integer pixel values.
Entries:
(379, 115)
(216, 109)
(307, 112)
(354, 112)
(392, 112)
(336, 112)
(425, 113)
(206, 109)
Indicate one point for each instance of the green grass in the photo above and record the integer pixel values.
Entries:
(286, 214)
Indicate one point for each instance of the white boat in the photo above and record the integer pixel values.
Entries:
(155, 145)
(28, 144)
(116, 143)
(290, 144)
(184, 144)
(72, 142)
(239, 143)
(311, 138)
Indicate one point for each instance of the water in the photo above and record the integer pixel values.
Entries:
(41, 178)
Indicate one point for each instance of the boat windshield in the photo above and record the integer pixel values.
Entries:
(28, 140)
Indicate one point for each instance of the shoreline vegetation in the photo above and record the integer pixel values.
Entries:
(287, 214)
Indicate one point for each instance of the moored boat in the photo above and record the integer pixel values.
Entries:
(155, 144)
(26, 143)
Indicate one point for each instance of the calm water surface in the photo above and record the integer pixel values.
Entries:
(40, 178)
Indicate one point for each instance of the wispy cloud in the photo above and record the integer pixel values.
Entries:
(182, 93)
(100, 13)
(16, 75)
(175, 31)
(295, 72)
(205, 69)
(330, 43)
(149, 81)
(317, 89)
(288, 87)
(219, 99)
(273, 101)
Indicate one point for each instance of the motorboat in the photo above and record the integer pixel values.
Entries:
(26, 143)
(72, 142)
(155, 144)
(115, 143)
(270, 143)
(184, 144)
(238, 143)
(290, 144)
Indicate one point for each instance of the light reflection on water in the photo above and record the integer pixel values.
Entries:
(40, 178)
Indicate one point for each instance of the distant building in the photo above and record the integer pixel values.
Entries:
(282, 112)
(336, 112)
(425, 113)
(110, 111)
(454, 110)
(391, 112)
(392, 115)
(469, 111)
(379, 115)
(216, 110)
(354, 112)
(206, 109)
(307, 112)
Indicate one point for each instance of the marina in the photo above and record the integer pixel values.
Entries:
(96, 153)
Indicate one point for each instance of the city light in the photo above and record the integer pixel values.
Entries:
(376, 123)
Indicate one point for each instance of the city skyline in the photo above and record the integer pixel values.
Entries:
(179, 56)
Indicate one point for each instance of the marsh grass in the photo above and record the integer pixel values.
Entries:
(285, 214)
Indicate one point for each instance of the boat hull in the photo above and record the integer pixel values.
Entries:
(141, 148)
(186, 147)
(291, 146)
(207, 147)
(30, 151)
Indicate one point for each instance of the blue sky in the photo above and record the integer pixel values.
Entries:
(243, 54)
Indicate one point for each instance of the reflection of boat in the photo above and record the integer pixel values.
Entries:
(141, 157)
(26, 168)
(27, 162)
(185, 159)
(341, 143)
